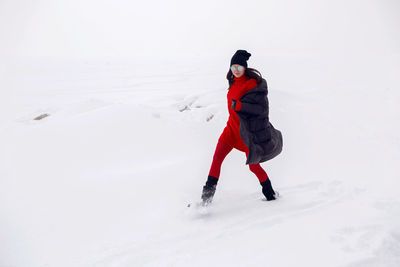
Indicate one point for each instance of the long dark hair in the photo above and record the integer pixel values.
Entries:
(249, 72)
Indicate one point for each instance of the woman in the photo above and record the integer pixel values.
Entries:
(248, 128)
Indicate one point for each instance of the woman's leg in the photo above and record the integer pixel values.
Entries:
(258, 171)
(209, 188)
(265, 182)
(221, 151)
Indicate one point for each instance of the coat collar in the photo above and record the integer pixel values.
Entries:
(261, 87)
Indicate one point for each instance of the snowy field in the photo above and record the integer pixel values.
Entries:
(105, 179)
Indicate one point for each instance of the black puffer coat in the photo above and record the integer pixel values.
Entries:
(263, 140)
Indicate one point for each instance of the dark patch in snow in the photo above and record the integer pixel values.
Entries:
(42, 116)
(185, 108)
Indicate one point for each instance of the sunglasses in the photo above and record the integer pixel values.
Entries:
(239, 68)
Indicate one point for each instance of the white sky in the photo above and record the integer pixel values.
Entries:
(123, 28)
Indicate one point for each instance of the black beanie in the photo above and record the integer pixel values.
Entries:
(240, 57)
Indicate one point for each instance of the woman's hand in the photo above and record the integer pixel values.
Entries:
(236, 104)
(249, 108)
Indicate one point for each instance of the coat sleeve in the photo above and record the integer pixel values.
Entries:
(252, 108)
(259, 105)
(254, 103)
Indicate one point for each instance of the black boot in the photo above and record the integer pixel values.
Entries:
(209, 189)
(267, 190)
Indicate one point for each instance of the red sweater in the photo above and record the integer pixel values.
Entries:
(231, 135)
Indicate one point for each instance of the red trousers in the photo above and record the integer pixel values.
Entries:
(221, 151)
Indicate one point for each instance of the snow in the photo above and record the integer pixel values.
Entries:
(106, 178)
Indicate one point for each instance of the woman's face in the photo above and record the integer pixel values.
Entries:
(237, 70)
